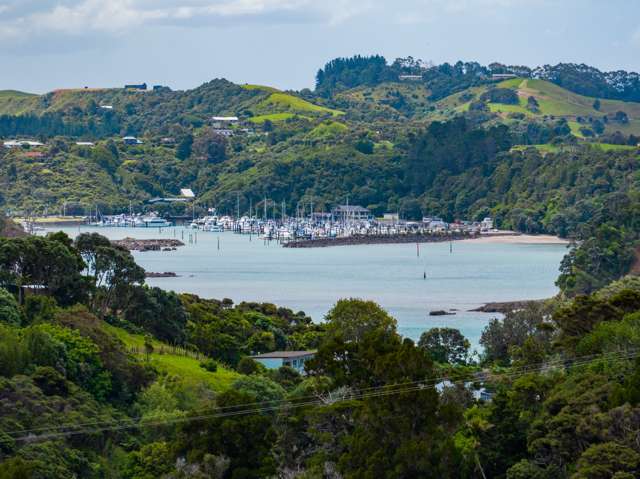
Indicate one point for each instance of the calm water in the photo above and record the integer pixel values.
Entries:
(312, 280)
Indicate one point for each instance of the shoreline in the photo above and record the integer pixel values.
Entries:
(506, 237)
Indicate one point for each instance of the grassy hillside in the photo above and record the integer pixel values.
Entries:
(181, 365)
(279, 102)
(14, 102)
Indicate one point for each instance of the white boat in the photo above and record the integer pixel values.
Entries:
(152, 222)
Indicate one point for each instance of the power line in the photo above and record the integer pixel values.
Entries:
(268, 406)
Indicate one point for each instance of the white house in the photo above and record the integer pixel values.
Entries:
(22, 143)
(224, 121)
(486, 224)
(187, 193)
(131, 140)
(277, 359)
(410, 77)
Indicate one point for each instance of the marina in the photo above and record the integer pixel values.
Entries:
(249, 268)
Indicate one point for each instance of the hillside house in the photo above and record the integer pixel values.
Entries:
(410, 77)
(224, 121)
(141, 86)
(223, 132)
(131, 140)
(503, 76)
(22, 144)
(277, 359)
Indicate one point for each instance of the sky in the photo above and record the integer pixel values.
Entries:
(50, 44)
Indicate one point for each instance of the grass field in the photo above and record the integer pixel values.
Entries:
(186, 368)
(284, 101)
(274, 117)
(554, 101)
(270, 89)
(13, 102)
(328, 129)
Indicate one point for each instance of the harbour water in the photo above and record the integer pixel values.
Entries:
(244, 268)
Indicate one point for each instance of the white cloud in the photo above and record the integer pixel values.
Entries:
(78, 17)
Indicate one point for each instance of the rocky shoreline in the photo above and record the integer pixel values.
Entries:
(505, 306)
(133, 244)
(378, 239)
(165, 274)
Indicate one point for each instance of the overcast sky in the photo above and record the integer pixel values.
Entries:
(49, 44)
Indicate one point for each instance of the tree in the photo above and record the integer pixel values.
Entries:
(211, 146)
(47, 263)
(596, 104)
(501, 337)
(621, 117)
(603, 461)
(112, 268)
(183, 151)
(245, 439)
(445, 345)
(362, 349)
(157, 311)
(532, 104)
(9, 311)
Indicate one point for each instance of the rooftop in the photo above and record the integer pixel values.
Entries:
(283, 354)
(224, 118)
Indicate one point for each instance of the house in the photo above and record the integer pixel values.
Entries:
(503, 76)
(223, 132)
(22, 144)
(224, 121)
(168, 141)
(142, 86)
(486, 224)
(106, 107)
(410, 77)
(346, 213)
(187, 193)
(131, 140)
(85, 143)
(277, 359)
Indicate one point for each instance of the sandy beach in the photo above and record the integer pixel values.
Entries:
(520, 239)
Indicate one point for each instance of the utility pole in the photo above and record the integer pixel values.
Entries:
(237, 205)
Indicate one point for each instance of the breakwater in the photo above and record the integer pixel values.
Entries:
(378, 239)
(133, 244)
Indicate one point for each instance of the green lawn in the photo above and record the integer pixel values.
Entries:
(186, 368)
(284, 101)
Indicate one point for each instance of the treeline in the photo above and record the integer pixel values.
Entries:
(58, 124)
(443, 80)
(446, 79)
